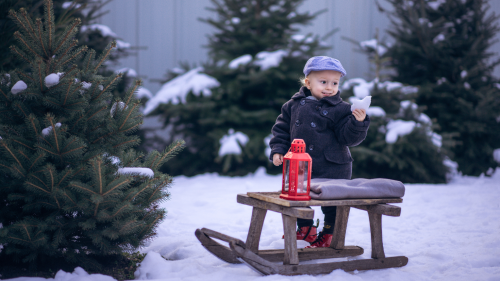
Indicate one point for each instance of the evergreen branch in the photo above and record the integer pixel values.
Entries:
(48, 151)
(76, 22)
(90, 55)
(5, 95)
(120, 144)
(70, 198)
(75, 185)
(116, 186)
(104, 89)
(40, 32)
(158, 188)
(40, 75)
(72, 141)
(67, 92)
(14, 50)
(128, 115)
(96, 207)
(18, 106)
(82, 49)
(14, 15)
(104, 107)
(20, 38)
(73, 43)
(100, 175)
(172, 150)
(137, 84)
(12, 154)
(81, 147)
(67, 173)
(55, 134)
(40, 179)
(51, 179)
(36, 160)
(50, 21)
(76, 89)
(23, 144)
(34, 125)
(139, 192)
(36, 186)
(25, 156)
(75, 103)
(113, 44)
(25, 75)
(152, 162)
(116, 213)
(58, 206)
(121, 229)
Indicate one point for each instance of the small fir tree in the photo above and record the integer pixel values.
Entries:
(258, 61)
(444, 48)
(68, 192)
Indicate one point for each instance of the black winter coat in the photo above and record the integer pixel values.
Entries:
(327, 126)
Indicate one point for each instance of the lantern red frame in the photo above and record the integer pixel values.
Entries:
(295, 190)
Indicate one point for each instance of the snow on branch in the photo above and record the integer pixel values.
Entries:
(397, 128)
(267, 60)
(136, 171)
(243, 60)
(229, 143)
(19, 87)
(178, 88)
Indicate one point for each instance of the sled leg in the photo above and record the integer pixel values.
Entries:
(289, 227)
(376, 235)
(255, 230)
(338, 240)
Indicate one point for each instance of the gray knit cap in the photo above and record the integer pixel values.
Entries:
(323, 63)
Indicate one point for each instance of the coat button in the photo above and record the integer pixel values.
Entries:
(325, 112)
(297, 123)
(313, 124)
(302, 102)
(311, 147)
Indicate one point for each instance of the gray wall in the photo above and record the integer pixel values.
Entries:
(170, 32)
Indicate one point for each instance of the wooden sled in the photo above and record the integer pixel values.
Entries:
(264, 261)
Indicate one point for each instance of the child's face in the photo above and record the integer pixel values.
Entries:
(323, 83)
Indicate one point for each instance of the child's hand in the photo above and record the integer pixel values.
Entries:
(277, 159)
(359, 114)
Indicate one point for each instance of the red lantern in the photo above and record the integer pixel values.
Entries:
(297, 165)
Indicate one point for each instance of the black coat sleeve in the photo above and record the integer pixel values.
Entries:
(280, 142)
(348, 130)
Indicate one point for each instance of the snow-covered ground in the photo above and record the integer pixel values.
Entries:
(448, 232)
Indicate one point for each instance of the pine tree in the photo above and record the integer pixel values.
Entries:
(444, 48)
(72, 187)
(252, 90)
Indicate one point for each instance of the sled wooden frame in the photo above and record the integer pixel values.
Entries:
(264, 261)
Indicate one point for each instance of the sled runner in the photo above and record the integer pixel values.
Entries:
(265, 261)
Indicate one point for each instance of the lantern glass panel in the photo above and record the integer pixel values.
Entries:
(287, 174)
(302, 177)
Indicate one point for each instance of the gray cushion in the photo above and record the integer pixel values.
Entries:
(324, 189)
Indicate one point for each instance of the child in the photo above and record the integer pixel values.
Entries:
(318, 115)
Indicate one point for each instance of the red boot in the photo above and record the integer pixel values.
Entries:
(306, 233)
(324, 240)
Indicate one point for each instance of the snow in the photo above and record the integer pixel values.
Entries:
(448, 232)
(496, 155)
(374, 45)
(122, 44)
(235, 20)
(397, 128)
(51, 80)
(240, 61)
(117, 105)
(361, 88)
(129, 72)
(435, 4)
(438, 38)
(46, 131)
(19, 87)
(136, 170)
(361, 104)
(267, 60)
(409, 90)
(463, 74)
(86, 85)
(406, 103)
(143, 93)
(301, 37)
(180, 86)
(229, 143)
(66, 5)
(467, 85)
(423, 118)
(375, 111)
(267, 139)
(103, 29)
(441, 80)
(497, 85)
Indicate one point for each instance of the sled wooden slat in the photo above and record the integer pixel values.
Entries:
(303, 213)
(338, 239)
(290, 254)
(382, 209)
(267, 268)
(312, 254)
(222, 252)
(273, 197)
